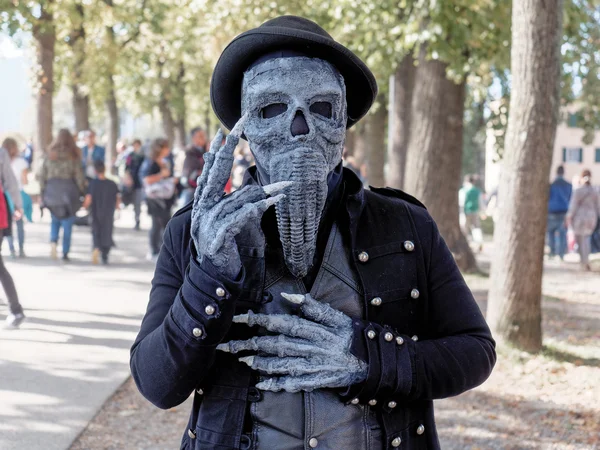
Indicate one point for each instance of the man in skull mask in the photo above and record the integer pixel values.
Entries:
(304, 311)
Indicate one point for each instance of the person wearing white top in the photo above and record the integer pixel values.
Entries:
(20, 169)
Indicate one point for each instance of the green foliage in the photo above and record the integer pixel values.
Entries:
(166, 49)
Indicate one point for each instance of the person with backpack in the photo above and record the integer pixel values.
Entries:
(63, 184)
(9, 192)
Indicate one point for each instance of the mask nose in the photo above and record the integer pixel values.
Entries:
(299, 125)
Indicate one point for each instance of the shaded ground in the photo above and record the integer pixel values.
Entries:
(548, 401)
(72, 352)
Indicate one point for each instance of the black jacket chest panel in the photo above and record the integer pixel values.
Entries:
(390, 275)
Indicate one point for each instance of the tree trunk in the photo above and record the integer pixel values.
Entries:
(433, 162)
(180, 109)
(81, 108)
(349, 143)
(113, 122)
(167, 119)
(45, 35)
(360, 143)
(401, 91)
(375, 136)
(514, 309)
(180, 134)
(81, 103)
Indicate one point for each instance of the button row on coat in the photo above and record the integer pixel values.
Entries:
(397, 441)
(409, 246)
(376, 301)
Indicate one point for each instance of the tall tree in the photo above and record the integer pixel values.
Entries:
(76, 42)
(375, 138)
(514, 309)
(44, 32)
(401, 92)
(433, 163)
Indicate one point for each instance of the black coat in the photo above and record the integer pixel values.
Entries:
(440, 346)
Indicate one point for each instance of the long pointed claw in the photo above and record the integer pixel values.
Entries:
(324, 314)
(215, 144)
(242, 318)
(297, 299)
(238, 128)
(224, 348)
(249, 360)
(289, 325)
(276, 187)
(272, 200)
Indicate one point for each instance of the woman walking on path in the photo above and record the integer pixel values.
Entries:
(63, 184)
(20, 169)
(582, 216)
(9, 187)
(160, 193)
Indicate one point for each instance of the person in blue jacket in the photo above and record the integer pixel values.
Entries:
(90, 153)
(304, 311)
(558, 205)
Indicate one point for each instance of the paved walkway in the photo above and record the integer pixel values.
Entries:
(72, 353)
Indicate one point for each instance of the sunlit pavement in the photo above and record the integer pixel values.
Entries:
(72, 352)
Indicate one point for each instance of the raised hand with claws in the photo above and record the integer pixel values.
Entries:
(310, 353)
(216, 218)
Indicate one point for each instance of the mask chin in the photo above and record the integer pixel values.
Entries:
(299, 214)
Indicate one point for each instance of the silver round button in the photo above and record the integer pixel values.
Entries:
(210, 310)
(192, 434)
(421, 429)
(388, 336)
(372, 402)
(415, 293)
(415, 338)
(197, 332)
(376, 301)
(200, 391)
(363, 257)
(371, 334)
(354, 401)
(399, 340)
(409, 246)
(313, 442)
(396, 442)
(392, 404)
(220, 292)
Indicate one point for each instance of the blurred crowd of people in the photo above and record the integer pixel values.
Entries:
(78, 186)
(573, 222)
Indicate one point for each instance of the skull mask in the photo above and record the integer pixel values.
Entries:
(296, 127)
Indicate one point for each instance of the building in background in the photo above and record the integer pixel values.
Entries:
(569, 151)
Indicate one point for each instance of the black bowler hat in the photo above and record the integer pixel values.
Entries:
(295, 34)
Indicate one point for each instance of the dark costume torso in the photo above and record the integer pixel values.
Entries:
(319, 417)
(409, 289)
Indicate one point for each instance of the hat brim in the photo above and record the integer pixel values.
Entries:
(226, 84)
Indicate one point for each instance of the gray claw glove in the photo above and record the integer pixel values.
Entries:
(311, 353)
(217, 219)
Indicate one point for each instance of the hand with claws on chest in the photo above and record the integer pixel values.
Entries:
(294, 117)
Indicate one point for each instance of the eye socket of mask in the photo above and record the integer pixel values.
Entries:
(273, 110)
(324, 109)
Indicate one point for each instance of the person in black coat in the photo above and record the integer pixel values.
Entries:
(304, 311)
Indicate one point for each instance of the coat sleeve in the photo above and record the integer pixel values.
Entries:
(459, 353)
(176, 344)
